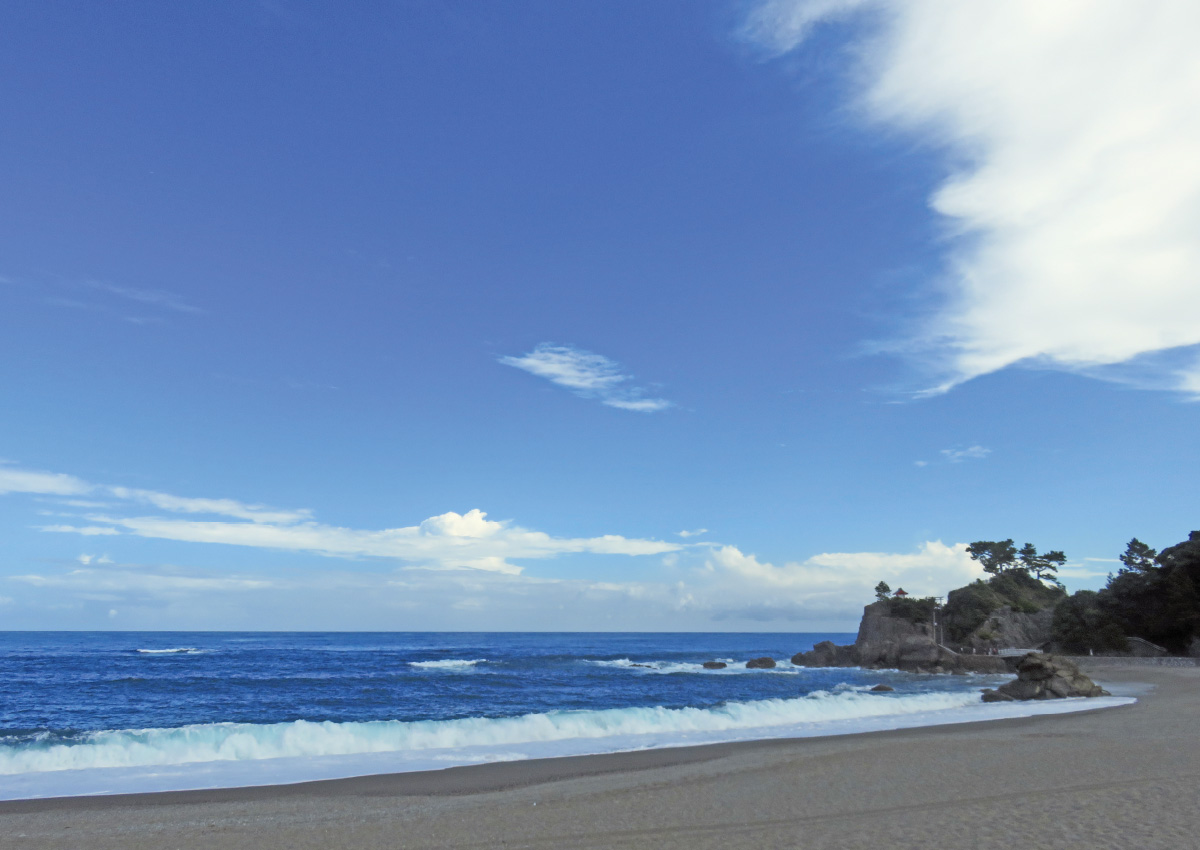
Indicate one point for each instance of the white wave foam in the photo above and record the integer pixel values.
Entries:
(448, 664)
(179, 650)
(233, 754)
(240, 741)
(694, 667)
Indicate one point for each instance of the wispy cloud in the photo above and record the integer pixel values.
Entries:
(449, 541)
(969, 453)
(150, 297)
(222, 507)
(588, 375)
(124, 580)
(49, 483)
(711, 584)
(100, 296)
(467, 541)
(1073, 199)
(695, 533)
(85, 530)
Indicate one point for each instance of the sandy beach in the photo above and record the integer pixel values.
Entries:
(1118, 778)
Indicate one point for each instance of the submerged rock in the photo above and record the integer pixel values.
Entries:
(764, 663)
(1041, 676)
(714, 665)
(881, 688)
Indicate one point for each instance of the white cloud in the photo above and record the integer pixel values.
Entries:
(85, 530)
(780, 25)
(138, 581)
(969, 453)
(586, 374)
(686, 534)
(448, 541)
(1073, 200)
(47, 483)
(931, 570)
(223, 507)
(711, 586)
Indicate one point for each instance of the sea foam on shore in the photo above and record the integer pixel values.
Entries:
(238, 754)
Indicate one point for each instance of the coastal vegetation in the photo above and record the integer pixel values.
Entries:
(1154, 596)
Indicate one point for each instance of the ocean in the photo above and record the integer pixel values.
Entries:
(110, 712)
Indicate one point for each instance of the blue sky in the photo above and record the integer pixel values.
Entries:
(434, 316)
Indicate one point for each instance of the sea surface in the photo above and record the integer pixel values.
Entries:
(108, 712)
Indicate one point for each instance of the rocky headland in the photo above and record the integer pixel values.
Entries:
(887, 640)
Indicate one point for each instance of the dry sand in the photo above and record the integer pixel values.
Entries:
(1125, 777)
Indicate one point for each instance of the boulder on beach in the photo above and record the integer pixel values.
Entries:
(714, 665)
(764, 663)
(1042, 676)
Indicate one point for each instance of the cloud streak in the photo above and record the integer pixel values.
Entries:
(1072, 202)
(149, 297)
(587, 375)
(449, 541)
(969, 453)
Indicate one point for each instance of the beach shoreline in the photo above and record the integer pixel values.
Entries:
(1117, 777)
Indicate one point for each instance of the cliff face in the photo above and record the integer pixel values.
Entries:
(883, 639)
(1005, 627)
(893, 642)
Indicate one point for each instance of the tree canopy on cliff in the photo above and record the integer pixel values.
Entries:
(1000, 557)
(1155, 596)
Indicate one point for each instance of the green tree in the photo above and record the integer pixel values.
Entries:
(995, 556)
(1041, 566)
(882, 591)
(1138, 557)
(1080, 625)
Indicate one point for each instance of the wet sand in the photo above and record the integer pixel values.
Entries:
(1126, 777)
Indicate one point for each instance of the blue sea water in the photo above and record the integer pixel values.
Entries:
(100, 712)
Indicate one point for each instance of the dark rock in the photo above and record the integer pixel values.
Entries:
(887, 641)
(647, 666)
(764, 663)
(1041, 676)
(714, 665)
(880, 689)
(826, 654)
(1006, 627)
(995, 696)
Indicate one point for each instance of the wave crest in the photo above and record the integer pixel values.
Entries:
(448, 664)
(244, 741)
(694, 667)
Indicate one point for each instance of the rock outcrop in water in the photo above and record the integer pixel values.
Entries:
(764, 663)
(896, 642)
(714, 665)
(1041, 676)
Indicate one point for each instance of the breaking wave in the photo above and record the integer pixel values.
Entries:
(628, 727)
(179, 650)
(733, 666)
(448, 664)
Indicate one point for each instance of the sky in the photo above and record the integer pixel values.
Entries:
(683, 316)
